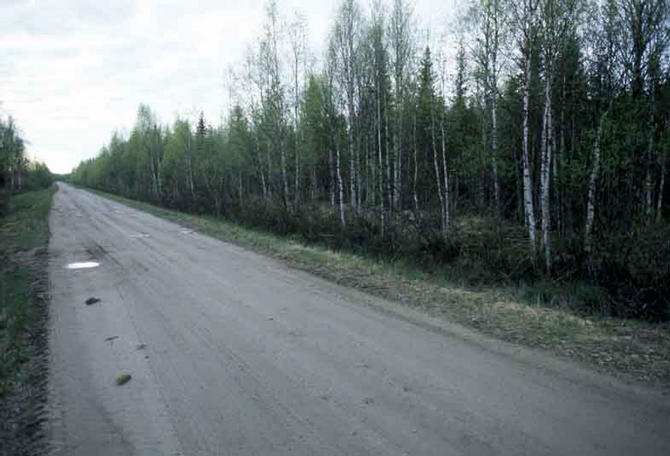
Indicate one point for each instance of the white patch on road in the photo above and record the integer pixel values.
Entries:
(82, 265)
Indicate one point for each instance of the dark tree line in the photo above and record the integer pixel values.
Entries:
(17, 173)
(543, 154)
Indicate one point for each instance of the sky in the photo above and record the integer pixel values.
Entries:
(74, 71)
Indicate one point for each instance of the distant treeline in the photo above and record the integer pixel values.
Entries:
(17, 173)
(544, 156)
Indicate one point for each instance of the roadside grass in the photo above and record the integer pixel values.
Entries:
(24, 235)
(537, 315)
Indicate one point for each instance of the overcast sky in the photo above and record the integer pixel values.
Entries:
(73, 71)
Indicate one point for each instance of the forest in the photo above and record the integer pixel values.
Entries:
(17, 172)
(531, 146)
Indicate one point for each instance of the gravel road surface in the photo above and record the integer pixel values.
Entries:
(234, 353)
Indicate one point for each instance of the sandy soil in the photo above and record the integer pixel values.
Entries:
(230, 352)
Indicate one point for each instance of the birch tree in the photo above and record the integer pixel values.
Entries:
(525, 13)
(603, 38)
(378, 67)
(490, 22)
(298, 45)
(401, 48)
(345, 44)
(273, 100)
(557, 19)
(331, 109)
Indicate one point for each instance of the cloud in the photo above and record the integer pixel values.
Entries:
(73, 71)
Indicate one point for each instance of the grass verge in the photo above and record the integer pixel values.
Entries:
(24, 236)
(629, 349)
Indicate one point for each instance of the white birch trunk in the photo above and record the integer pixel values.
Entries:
(295, 134)
(416, 169)
(494, 149)
(260, 169)
(659, 201)
(340, 189)
(381, 165)
(352, 166)
(333, 181)
(493, 82)
(545, 171)
(437, 169)
(389, 182)
(283, 173)
(529, 211)
(447, 205)
(189, 168)
(397, 163)
(239, 187)
(648, 183)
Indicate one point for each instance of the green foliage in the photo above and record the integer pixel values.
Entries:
(22, 233)
(17, 173)
(407, 151)
(37, 176)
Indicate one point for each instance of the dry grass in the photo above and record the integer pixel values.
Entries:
(23, 313)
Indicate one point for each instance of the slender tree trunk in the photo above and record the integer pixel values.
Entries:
(648, 182)
(380, 165)
(240, 188)
(295, 136)
(315, 185)
(529, 211)
(389, 182)
(154, 179)
(416, 167)
(371, 169)
(659, 201)
(359, 193)
(339, 182)
(494, 151)
(545, 171)
(189, 169)
(296, 196)
(331, 172)
(493, 83)
(263, 185)
(397, 160)
(156, 162)
(593, 182)
(556, 207)
(478, 182)
(558, 165)
(270, 177)
(352, 162)
(447, 204)
(283, 173)
(437, 169)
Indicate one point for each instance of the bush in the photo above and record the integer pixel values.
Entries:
(38, 176)
(635, 268)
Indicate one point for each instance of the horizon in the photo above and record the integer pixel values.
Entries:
(76, 70)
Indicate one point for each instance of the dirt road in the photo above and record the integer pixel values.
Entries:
(232, 353)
